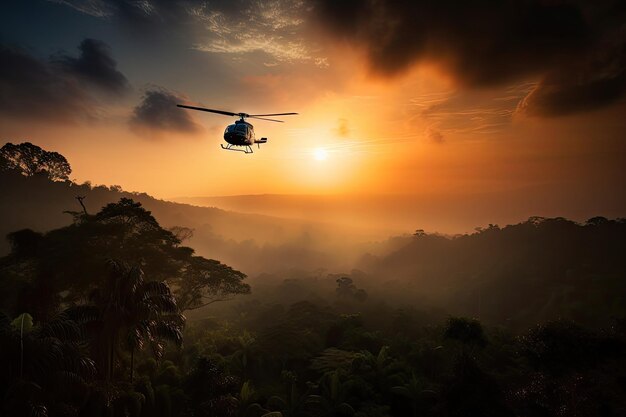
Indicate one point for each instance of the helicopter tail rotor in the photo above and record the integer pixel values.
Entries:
(260, 141)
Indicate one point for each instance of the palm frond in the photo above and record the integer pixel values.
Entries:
(152, 288)
(168, 331)
(62, 328)
(83, 313)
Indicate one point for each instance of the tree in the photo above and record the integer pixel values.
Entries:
(205, 281)
(210, 390)
(467, 331)
(561, 347)
(70, 260)
(414, 391)
(347, 290)
(130, 313)
(30, 160)
(331, 401)
(43, 367)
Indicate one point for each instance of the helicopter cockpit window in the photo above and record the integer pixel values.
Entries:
(241, 128)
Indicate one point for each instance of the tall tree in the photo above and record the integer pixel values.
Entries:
(71, 258)
(29, 160)
(43, 367)
(129, 313)
(205, 281)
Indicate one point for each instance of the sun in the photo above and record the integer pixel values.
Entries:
(320, 154)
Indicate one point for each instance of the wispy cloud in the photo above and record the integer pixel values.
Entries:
(97, 8)
(272, 27)
(467, 112)
(275, 27)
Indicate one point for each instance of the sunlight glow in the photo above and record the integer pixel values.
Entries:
(320, 154)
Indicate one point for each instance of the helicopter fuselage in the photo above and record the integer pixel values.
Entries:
(241, 133)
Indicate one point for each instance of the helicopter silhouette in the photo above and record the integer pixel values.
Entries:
(241, 133)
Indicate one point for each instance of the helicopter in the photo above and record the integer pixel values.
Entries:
(241, 133)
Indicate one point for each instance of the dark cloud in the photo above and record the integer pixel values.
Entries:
(35, 88)
(481, 42)
(95, 65)
(487, 43)
(158, 112)
(589, 85)
(30, 88)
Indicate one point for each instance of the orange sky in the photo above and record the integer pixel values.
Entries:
(422, 131)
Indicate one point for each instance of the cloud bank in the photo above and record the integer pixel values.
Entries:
(575, 48)
(58, 89)
(572, 49)
(157, 112)
(96, 65)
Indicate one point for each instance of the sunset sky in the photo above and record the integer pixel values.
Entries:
(427, 99)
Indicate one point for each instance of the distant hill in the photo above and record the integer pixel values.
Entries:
(538, 270)
(252, 243)
(380, 216)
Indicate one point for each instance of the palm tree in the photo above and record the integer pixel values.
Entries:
(375, 366)
(415, 391)
(468, 333)
(293, 404)
(41, 364)
(242, 356)
(331, 401)
(130, 313)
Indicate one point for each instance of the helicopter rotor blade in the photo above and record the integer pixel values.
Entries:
(273, 114)
(263, 118)
(226, 113)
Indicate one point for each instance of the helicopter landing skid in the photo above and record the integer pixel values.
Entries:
(246, 149)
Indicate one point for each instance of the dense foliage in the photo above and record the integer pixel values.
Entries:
(45, 271)
(29, 160)
(317, 346)
(525, 320)
(541, 269)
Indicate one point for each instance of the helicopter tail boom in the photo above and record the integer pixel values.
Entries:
(260, 141)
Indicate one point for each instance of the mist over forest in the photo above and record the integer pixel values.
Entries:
(146, 307)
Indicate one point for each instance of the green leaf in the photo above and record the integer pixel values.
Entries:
(23, 322)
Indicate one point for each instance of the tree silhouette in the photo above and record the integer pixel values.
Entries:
(211, 390)
(467, 331)
(416, 392)
(204, 281)
(43, 366)
(130, 313)
(29, 160)
(332, 399)
(70, 259)
(346, 289)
